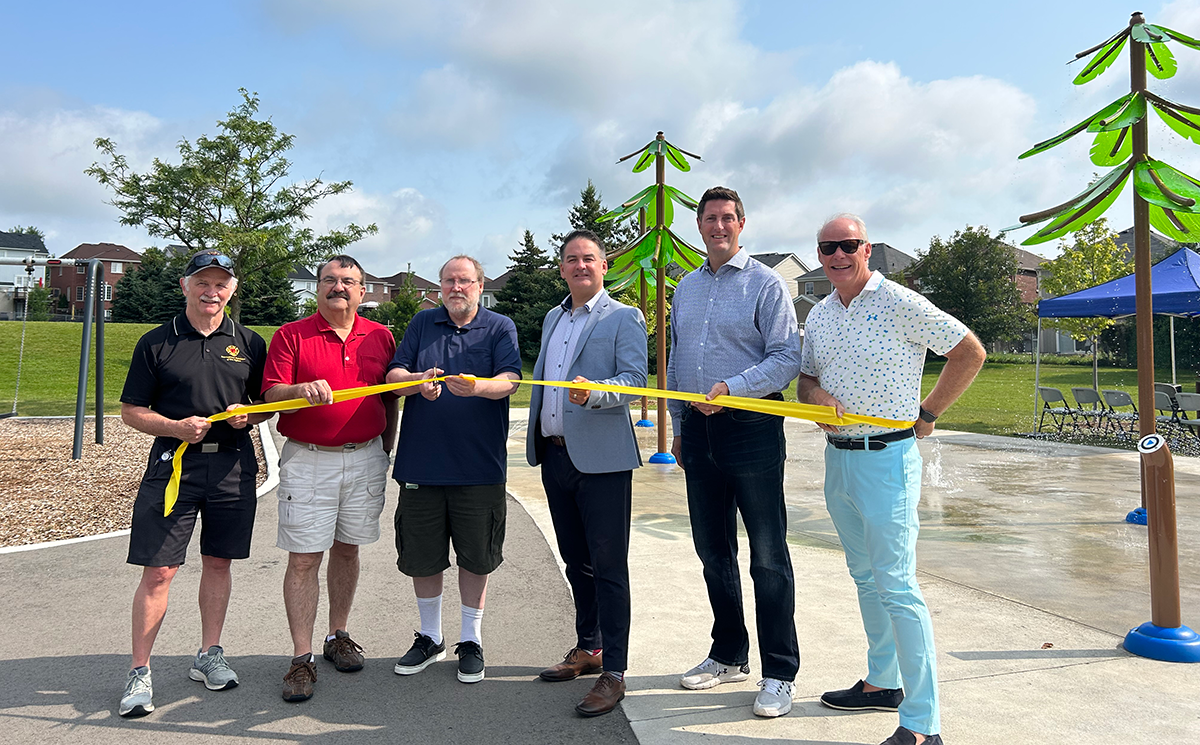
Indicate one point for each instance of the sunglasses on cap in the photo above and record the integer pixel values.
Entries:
(207, 259)
(848, 246)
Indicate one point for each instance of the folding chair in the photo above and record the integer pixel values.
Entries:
(1121, 419)
(1168, 416)
(1189, 402)
(1091, 407)
(1169, 389)
(1059, 414)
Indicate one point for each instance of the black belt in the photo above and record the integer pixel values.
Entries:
(560, 441)
(872, 442)
(220, 446)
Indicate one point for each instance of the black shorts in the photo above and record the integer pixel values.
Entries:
(428, 518)
(220, 487)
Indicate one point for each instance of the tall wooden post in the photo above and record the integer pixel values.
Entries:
(1164, 637)
(1158, 479)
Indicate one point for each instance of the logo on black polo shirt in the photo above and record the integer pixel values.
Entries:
(233, 354)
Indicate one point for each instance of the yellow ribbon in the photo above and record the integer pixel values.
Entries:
(810, 412)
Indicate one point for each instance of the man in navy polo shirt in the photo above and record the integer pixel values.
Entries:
(451, 459)
(182, 372)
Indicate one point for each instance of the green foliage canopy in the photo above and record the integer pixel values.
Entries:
(532, 290)
(229, 192)
(972, 276)
(1092, 259)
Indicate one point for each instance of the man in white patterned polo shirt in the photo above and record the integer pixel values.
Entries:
(864, 352)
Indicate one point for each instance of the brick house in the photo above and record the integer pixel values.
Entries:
(378, 291)
(430, 292)
(71, 280)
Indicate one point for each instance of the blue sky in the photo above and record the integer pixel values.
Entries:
(462, 124)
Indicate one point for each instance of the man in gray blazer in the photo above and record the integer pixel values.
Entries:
(585, 444)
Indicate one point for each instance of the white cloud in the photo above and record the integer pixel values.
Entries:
(45, 152)
(412, 229)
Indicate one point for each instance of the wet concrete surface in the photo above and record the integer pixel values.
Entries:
(1036, 522)
(1031, 575)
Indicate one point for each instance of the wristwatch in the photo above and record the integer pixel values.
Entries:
(927, 416)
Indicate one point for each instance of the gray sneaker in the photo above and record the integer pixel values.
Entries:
(211, 669)
(711, 673)
(135, 702)
(775, 698)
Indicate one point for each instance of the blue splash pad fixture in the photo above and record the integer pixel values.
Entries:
(1137, 517)
(1158, 643)
(644, 423)
(662, 458)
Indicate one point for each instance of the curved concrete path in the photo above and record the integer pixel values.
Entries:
(66, 649)
(1030, 572)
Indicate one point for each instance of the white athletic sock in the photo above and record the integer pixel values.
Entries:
(472, 624)
(431, 617)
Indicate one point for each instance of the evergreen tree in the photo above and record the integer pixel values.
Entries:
(972, 277)
(268, 299)
(532, 290)
(150, 293)
(584, 216)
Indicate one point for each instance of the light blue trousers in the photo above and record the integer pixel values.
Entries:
(872, 496)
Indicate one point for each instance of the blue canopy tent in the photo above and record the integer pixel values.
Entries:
(1175, 285)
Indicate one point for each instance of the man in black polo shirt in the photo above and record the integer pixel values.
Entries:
(196, 365)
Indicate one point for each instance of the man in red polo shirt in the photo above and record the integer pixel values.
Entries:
(333, 469)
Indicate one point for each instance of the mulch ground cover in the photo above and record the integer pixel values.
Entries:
(46, 496)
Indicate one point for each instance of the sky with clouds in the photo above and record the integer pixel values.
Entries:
(463, 123)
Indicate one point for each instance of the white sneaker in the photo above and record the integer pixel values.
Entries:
(711, 673)
(775, 698)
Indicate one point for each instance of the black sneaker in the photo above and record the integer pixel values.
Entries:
(470, 662)
(421, 655)
(856, 699)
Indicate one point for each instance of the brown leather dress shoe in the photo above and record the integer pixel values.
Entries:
(603, 697)
(576, 662)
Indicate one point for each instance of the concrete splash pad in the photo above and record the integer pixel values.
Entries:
(1029, 569)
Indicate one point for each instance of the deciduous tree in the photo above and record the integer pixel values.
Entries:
(230, 192)
(1092, 259)
(972, 276)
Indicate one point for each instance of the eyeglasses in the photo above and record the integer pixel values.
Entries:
(455, 282)
(848, 246)
(333, 281)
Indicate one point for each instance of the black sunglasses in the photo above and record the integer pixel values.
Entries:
(848, 246)
(200, 261)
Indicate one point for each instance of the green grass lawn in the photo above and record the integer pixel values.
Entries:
(1000, 401)
(50, 372)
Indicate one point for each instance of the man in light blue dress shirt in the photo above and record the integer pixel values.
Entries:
(734, 332)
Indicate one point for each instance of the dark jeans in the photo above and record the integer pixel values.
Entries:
(591, 522)
(733, 462)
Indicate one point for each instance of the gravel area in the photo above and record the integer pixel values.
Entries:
(46, 496)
